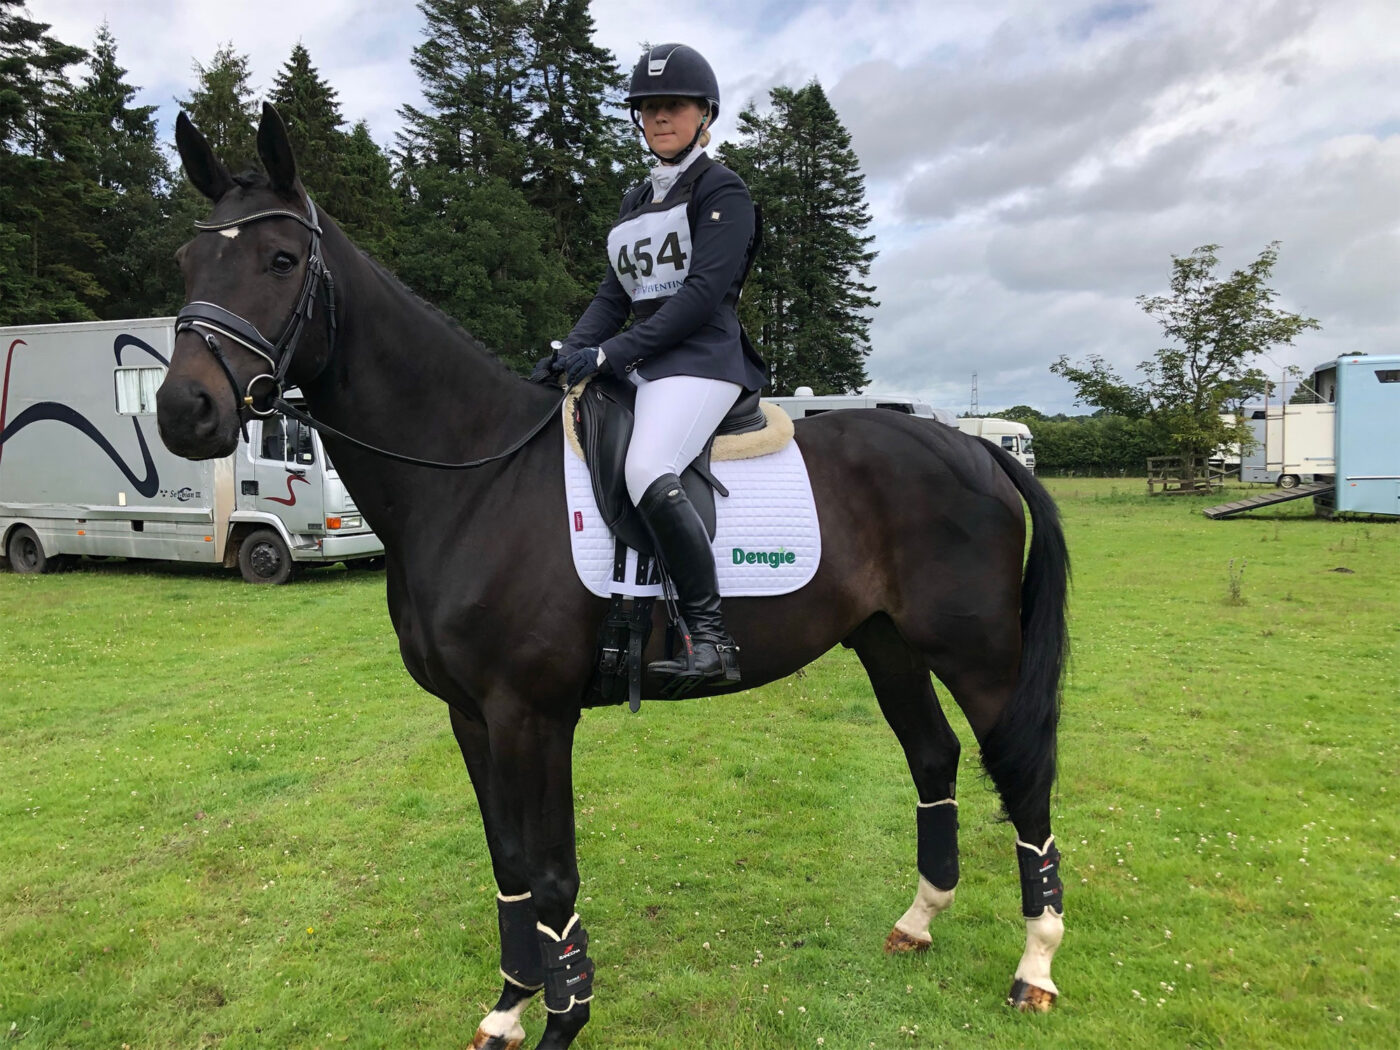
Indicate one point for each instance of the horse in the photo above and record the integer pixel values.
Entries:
(924, 568)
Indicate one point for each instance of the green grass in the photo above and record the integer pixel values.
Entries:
(229, 819)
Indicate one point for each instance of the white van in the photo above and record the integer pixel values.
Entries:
(1012, 436)
(83, 470)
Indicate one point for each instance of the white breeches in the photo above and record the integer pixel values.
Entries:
(675, 416)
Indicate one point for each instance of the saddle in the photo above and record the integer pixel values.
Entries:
(603, 423)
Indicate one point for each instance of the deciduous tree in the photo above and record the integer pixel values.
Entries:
(1217, 328)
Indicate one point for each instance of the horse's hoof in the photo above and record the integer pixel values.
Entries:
(1029, 999)
(899, 941)
(484, 1041)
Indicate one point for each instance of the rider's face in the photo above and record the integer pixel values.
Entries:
(670, 123)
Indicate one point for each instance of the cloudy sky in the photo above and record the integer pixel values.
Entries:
(1031, 165)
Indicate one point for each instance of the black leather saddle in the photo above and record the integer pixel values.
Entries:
(603, 422)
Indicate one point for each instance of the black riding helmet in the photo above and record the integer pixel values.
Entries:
(679, 71)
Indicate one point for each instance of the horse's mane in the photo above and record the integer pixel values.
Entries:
(257, 180)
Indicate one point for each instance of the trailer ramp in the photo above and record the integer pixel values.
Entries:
(1266, 499)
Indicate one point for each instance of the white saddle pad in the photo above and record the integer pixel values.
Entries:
(767, 540)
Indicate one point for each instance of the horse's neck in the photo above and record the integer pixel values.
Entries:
(404, 378)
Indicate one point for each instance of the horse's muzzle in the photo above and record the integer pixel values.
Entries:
(192, 424)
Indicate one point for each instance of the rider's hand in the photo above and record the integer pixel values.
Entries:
(546, 369)
(580, 364)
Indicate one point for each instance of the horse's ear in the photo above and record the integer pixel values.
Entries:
(206, 172)
(275, 149)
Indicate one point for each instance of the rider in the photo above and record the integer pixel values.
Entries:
(679, 254)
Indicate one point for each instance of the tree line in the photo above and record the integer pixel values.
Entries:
(493, 202)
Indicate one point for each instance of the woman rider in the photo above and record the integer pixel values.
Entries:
(679, 254)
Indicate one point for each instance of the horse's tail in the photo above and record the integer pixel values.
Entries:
(1020, 752)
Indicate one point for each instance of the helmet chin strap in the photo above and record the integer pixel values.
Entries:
(636, 119)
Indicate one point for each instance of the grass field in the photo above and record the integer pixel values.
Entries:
(228, 819)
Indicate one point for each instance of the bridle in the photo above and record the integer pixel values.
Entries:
(210, 321)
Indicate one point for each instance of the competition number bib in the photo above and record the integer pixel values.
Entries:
(650, 253)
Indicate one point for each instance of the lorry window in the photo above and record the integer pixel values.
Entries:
(136, 390)
(274, 440)
(302, 442)
(1008, 442)
(896, 406)
(286, 441)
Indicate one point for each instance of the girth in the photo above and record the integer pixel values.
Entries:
(603, 420)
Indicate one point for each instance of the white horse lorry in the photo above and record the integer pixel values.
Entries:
(83, 470)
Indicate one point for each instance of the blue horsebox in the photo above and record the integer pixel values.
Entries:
(1366, 390)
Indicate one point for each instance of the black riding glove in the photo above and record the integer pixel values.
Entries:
(580, 364)
(547, 368)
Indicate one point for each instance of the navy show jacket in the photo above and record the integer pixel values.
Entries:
(695, 331)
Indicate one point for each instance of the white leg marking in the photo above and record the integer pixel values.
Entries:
(1043, 936)
(928, 902)
(505, 1024)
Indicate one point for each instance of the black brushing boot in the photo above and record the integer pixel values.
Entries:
(708, 653)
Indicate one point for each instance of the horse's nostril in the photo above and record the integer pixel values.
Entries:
(203, 414)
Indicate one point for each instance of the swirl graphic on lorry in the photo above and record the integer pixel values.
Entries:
(291, 500)
(61, 413)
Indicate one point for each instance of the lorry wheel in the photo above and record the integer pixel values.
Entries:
(27, 555)
(264, 558)
(1288, 481)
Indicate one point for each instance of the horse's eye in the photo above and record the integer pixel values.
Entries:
(283, 263)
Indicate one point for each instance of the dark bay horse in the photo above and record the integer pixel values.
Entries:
(922, 528)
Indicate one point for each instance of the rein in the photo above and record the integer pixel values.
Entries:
(325, 428)
(211, 320)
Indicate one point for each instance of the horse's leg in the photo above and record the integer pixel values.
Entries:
(521, 965)
(532, 779)
(905, 692)
(1005, 750)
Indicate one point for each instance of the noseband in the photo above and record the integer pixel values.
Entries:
(211, 320)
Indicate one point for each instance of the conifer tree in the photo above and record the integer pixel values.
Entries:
(473, 243)
(308, 106)
(47, 196)
(472, 65)
(223, 108)
(806, 300)
(582, 155)
(366, 205)
(347, 174)
(135, 265)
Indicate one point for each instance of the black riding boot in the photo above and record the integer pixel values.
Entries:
(708, 653)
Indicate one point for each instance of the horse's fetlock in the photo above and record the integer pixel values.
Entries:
(938, 842)
(521, 962)
(1041, 887)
